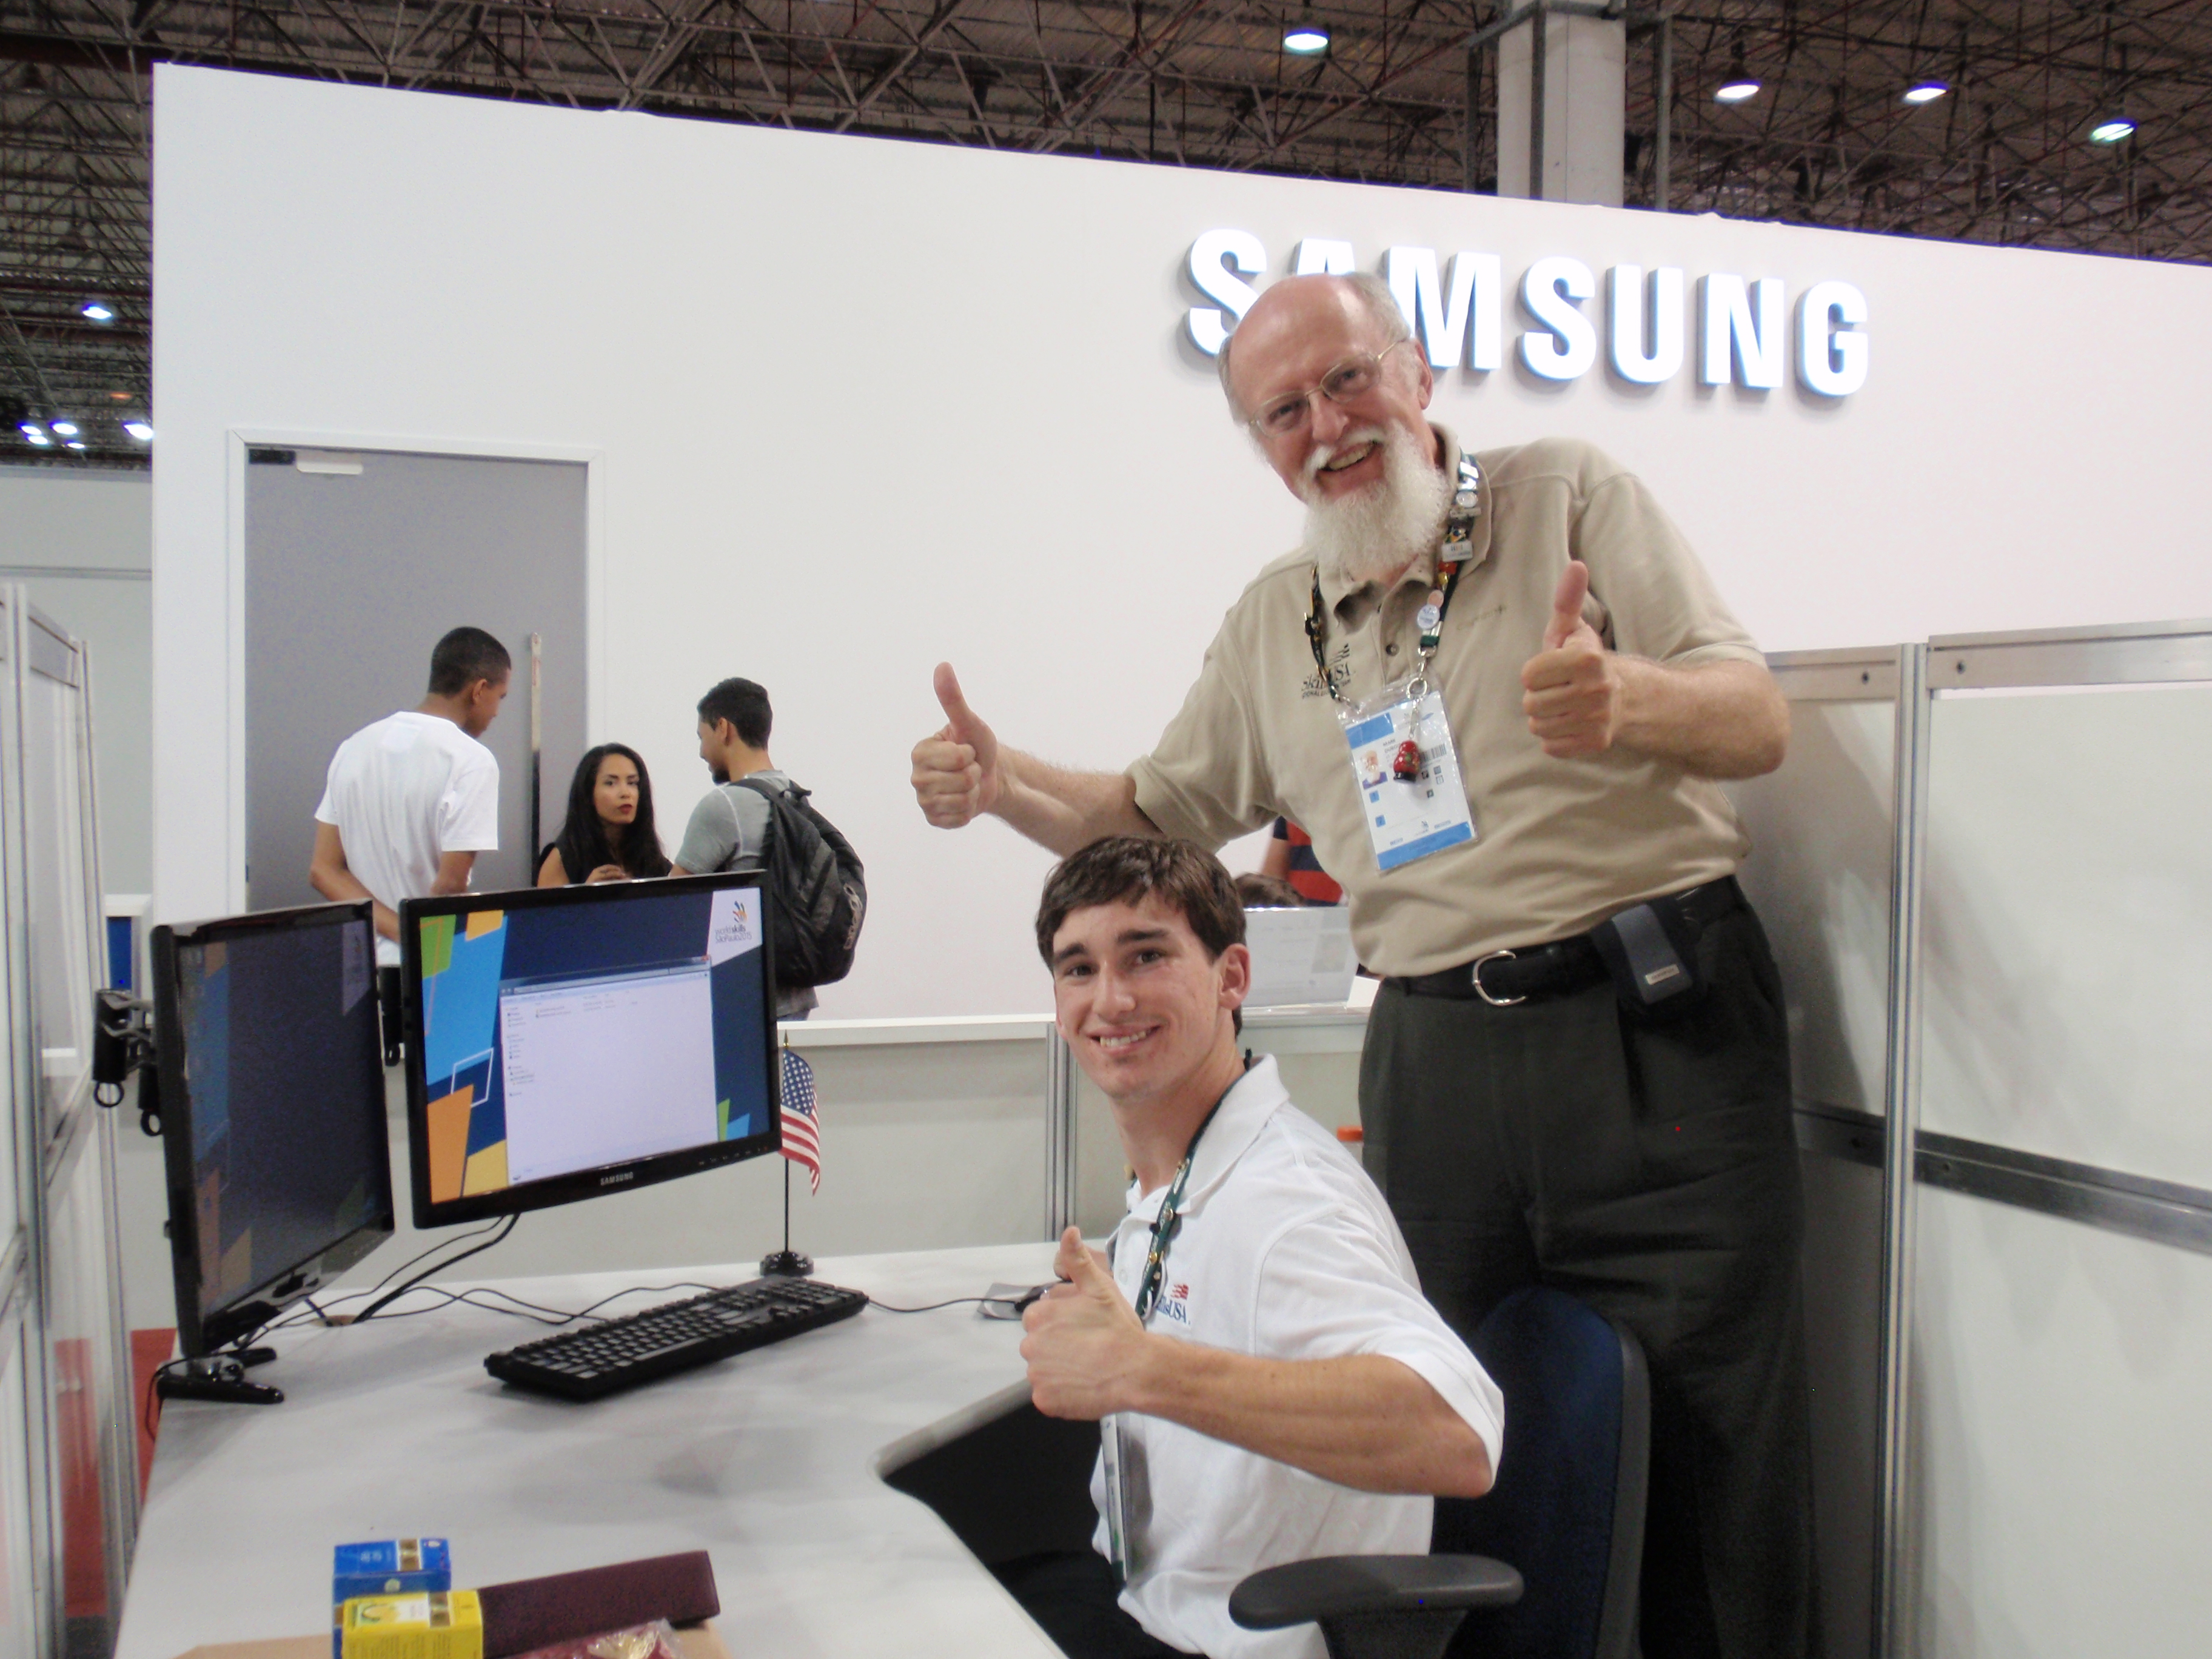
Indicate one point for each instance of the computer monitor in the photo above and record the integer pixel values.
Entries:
(272, 1111)
(565, 1042)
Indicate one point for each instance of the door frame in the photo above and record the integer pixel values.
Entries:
(237, 441)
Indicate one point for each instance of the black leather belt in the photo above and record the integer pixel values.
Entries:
(1561, 967)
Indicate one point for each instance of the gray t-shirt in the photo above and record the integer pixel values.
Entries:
(729, 826)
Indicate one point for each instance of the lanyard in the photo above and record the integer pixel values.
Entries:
(1169, 1217)
(1431, 616)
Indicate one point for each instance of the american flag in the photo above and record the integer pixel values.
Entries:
(802, 1130)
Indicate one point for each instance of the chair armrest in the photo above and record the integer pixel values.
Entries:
(1339, 1586)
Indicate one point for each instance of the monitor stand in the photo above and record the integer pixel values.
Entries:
(786, 1264)
(222, 1377)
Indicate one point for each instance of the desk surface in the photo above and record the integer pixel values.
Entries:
(769, 1460)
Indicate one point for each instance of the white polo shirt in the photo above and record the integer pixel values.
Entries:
(1285, 1250)
(403, 792)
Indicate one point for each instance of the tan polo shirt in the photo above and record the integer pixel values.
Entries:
(1559, 844)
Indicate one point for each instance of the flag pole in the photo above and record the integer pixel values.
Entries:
(785, 1263)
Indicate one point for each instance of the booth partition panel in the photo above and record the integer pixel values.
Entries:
(92, 1446)
(20, 1616)
(20, 1087)
(2063, 1329)
(67, 1451)
(1824, 831)
(65, 893)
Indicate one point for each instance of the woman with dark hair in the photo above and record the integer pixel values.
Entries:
(608, 834)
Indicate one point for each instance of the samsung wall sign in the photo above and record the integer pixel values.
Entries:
(1745, 329)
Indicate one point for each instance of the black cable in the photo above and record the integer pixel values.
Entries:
(498, 1236)
(536, 1312)
(443, 1243)
(931, 1307)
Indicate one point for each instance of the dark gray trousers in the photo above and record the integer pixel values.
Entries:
(1651, 1170)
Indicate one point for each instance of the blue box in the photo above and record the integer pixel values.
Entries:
(392, 1566)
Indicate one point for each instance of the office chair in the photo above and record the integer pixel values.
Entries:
(1567, 1509)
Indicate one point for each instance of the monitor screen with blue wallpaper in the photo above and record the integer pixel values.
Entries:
(567, 1042)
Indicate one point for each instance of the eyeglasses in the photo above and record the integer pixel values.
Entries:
(1355, 377)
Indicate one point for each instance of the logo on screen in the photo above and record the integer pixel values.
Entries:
(733, 924)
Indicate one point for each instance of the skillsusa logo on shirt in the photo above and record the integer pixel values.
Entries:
(1175, 1304)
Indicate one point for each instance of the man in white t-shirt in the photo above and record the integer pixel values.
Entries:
(1270, 1382)
(412, 799)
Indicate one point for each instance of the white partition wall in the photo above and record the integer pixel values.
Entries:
(2061, 1329)
(1824, 839)
(68, 1454)
(857, 406)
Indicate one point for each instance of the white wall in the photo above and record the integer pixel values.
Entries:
(83, 542)
(864, 404)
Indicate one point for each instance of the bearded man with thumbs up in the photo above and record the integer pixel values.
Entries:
(1499, 691)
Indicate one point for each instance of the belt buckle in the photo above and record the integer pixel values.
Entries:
(1483, 991)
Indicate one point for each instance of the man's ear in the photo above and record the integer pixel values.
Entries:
(1427, 382)
(1235, 968)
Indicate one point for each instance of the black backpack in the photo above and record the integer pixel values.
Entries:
(821, 894)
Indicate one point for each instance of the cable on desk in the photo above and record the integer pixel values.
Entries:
(498, 1236)
(931, 1307)
(537, 1313)
(444, 1243)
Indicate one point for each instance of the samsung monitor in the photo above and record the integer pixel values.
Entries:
(272, 1112)
(564, 1043)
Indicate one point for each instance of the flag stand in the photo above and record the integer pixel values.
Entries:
(785, 1263)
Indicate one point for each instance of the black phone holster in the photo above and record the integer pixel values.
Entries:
(1650, 949)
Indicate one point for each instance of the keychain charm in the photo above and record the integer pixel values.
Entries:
(1407, 766)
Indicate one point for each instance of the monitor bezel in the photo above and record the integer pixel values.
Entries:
(199, 1334)
(602, 1179)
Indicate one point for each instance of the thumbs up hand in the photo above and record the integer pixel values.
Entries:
(1572, 687)
(956, 769)
(1083, 1340)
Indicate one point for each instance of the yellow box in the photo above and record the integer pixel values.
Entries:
(429, 1625)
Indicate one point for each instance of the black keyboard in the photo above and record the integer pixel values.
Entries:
(621, 1353)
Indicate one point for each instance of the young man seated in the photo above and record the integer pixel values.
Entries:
(1270, 1384)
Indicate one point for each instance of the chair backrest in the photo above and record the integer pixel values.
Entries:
(1568, 1506)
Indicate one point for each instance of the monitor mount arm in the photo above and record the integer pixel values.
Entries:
(122, 1047)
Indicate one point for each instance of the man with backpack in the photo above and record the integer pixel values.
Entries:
(754, 815)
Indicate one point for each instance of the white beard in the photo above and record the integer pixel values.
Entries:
(1376, 533)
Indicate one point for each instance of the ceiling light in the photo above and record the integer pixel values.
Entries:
(120, 397)
(140, 430)
(98, 310)
(36, 434)
(1735, 91)
(64, 428)
(2110, 131)
(74, 444)
(1305, 39)
(1926, 93)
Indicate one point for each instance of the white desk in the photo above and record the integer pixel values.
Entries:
(769, 1460)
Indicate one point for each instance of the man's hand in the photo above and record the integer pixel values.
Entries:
(1084, 1344)
(957, 774)
(1573, 685)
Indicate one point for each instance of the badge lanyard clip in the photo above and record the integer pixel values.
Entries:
(1404, 764)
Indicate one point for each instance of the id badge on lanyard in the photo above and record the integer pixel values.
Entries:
(1128, 1498)
(1402, 757)
(1407, 770)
